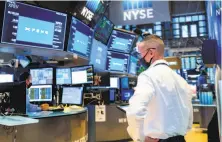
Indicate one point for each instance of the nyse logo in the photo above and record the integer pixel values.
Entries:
(87, 13)
(134, 10)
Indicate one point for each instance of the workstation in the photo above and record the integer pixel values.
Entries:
(68, 69)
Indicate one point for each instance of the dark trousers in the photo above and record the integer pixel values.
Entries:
(174, 139)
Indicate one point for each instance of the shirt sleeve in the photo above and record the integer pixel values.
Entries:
(190, 92)
(138, 107)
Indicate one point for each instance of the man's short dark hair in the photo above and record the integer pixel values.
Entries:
(24, 76)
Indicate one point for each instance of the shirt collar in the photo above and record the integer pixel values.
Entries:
(157, 62)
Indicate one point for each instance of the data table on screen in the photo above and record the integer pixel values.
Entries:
(117, 62)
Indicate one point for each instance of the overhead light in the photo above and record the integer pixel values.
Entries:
(66, 58)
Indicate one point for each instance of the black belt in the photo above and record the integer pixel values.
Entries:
(174, 139)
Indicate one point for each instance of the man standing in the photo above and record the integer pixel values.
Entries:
(160, 109)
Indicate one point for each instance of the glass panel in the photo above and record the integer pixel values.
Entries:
(202, 23)
(188, 19)
(201, 17)
(193, 30)
(175, 20)
(150, 31)
(182, 19)
(195, 18)
(175, 26)
(156, 28)
(159, 33)
(202, 30)
(184, 31)
(176, 32)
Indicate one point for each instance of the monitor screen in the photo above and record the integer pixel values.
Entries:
(82, 75)
(133, 65)
(40, 93)
(114, 82)
(103, 30)
(117, 62)
(126, 94)
(72, 95)
(63, 76)
(5, 78)
(121, 41)
(124, 83)
(98, 52)
(80, 38)
(33, 26)
(42, 76)
(112, 95)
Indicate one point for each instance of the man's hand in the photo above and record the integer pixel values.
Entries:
(149, 139)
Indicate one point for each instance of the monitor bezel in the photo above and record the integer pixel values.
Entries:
(73, 87)
(83, 83)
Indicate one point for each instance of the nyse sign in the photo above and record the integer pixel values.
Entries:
(87, 13)
(138, 14)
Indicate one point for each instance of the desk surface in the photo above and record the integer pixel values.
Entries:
(16, 120)
(48, 114)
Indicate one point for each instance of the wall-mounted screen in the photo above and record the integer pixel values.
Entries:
(63, 76)
(121, 41)
(82, 75)
(117, 62)
(40, 93)
(98, 55)
(133, 65)
(103, 30)
(33, 26)
(42, 76)
(80, 38)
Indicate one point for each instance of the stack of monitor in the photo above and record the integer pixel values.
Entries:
(42, 81)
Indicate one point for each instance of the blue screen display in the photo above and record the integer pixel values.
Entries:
(103, 30)
(42, 76)
(80, 38)
(98, 54)
(63, 76)
(214, 24)
(33, 26)
(112, 95)
(126, 94)
(124, 83)
(133, 65)
(121, 41)
(117, 62)
(92, 5)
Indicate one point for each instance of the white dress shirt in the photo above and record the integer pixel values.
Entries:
(161, 106)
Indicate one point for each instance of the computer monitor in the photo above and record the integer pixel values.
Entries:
(42, 76)
(63, 76)
(114, 82)
(82, 75)
(112, 95)
(103, 30)
(40, 93)
(124, 82)
(117, 62)
(6, 78)
(72, 95)
(126, 94)
(102, 79)
(133, 65)
(80, 38)
(24, 61)
(98, 55)
(121, 41)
